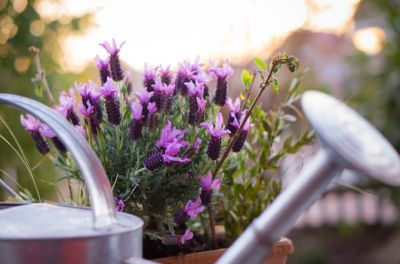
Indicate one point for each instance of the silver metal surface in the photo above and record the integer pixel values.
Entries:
(43, 233)
(360, 148)
(96, 180)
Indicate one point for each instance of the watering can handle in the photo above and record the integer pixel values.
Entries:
(100, 193)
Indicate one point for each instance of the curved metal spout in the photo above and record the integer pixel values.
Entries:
(100, 193)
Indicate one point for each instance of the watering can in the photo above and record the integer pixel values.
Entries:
(348, 142)
(47, 233)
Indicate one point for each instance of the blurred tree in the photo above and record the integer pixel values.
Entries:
(23, 24)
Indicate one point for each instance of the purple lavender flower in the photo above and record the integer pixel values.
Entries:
(32, 125)
(165, 75)
(49, 133)
(154, 160)
(94, 99)
(144, 97)
(110, 94)
(201, 104)
(184, 75)
(115, 65)
(167, 147)
(172, 150)
(195, 90)
(119, 203)
(102, 65)
(169, 94)
(152, 108)
(194, 148)
(188, 235)
(190, 211)
(169, 134)
(66, 107)
(90, 119)
(207, 187)
(149, 77)
(90, 93)
(203, 78)
(135, 131)
(222, 73)
(159, 95)
(216, 132)
(242, 136)
(234, 115)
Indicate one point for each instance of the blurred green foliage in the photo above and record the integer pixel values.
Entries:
(377, 78)
(22, 26)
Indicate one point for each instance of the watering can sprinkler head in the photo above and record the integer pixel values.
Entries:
(354, 142)
(349, 142)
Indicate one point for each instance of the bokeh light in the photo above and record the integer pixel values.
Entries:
(369, 40)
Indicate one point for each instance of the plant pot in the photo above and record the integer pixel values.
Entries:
(282, 249)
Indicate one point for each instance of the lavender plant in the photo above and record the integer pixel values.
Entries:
(161, 146)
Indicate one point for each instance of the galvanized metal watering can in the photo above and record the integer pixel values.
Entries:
(45, 233)
(348, 142)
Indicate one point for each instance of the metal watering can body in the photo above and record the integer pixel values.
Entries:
(46, 233)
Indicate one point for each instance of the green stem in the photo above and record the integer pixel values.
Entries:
(213, 242)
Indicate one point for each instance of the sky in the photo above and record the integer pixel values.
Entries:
(166, 32)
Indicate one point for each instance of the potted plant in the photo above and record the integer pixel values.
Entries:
(168, 150)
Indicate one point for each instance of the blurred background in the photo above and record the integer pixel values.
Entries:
(351, 48)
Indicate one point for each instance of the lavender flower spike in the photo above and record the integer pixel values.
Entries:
(149, 77)
(135, 130)
(201, 104)
(242, 136)
(159, 95)
(152, 108)
(222, 73)
(165, 75)
(154, 160)
(102, 65)
(144, 97)
(110, 94)
(168, 94)
(188, 235)
(32, 125)
(115, 65)
(190, 211)
(216, 132)
(234, 115)
(169, 134)
(49, 133)
(207, 187)
(172, 150)
(66, 107)
(119, 202)
(89, 114)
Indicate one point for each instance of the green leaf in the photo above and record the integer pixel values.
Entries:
(247, 78)
(39, 90)
(275, 85)
(260, 63)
